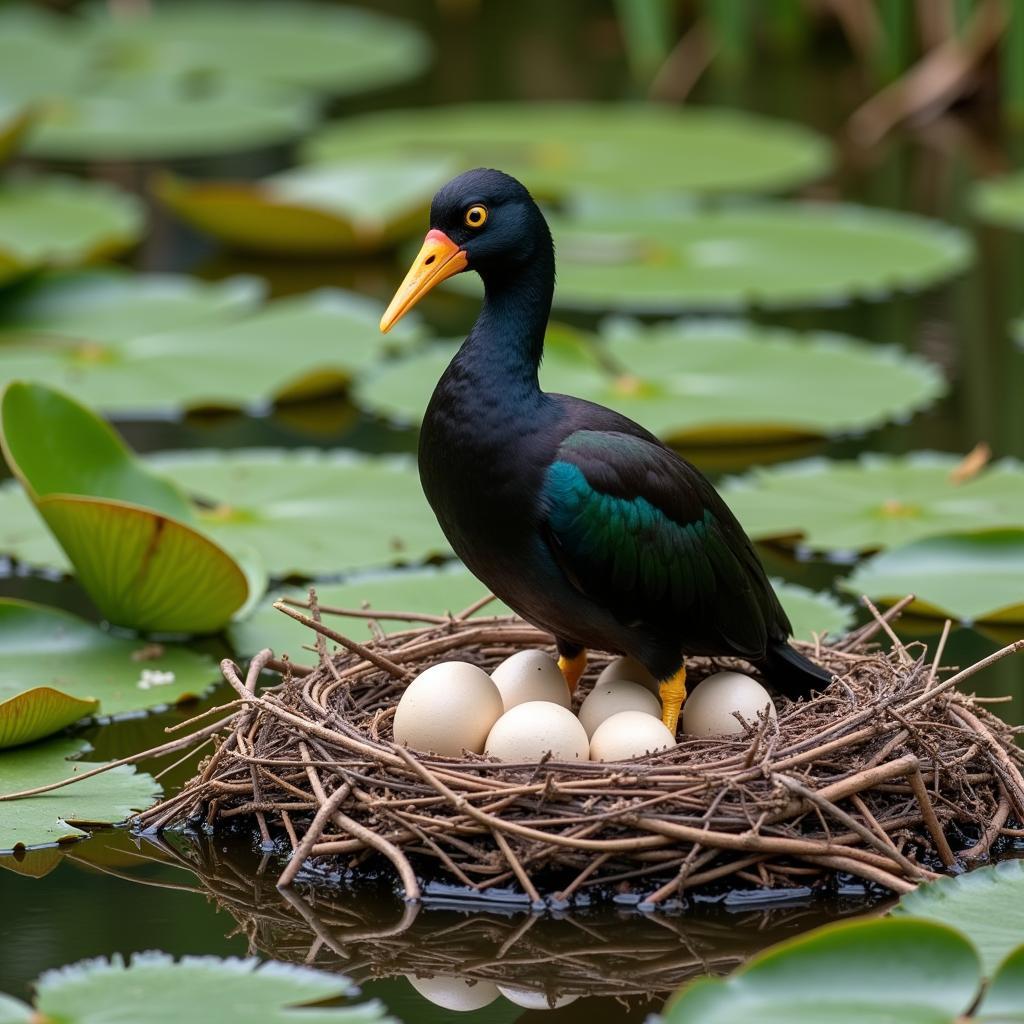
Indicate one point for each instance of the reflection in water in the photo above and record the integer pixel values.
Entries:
(459, 956)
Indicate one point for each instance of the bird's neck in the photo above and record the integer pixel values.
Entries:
(505, 346)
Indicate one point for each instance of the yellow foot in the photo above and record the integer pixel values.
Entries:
(572, 669)
(673, 693)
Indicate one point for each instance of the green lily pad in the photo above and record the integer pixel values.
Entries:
(305, 513)
(52, 663)
(987, 905)
(38, 56)
(860, 972)
(327, 210)
(125, 529)
(328, 48)
(710, 382)
(771, 255)
(970, 577)
(1001, 200)
(1004, 998)
(437, 591)
(140, 118)
(876, 501)
(98, 307)
(556, 148)
(53, 222)
(210, 349)
(55, 817)
(14, 123)
(154, 988)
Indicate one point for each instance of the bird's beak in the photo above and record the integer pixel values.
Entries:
(438, 260)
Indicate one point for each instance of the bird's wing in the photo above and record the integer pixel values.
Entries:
(640, 531)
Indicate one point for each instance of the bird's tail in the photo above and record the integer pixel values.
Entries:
(791, 673)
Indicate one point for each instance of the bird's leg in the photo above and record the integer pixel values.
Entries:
(572, 660)
(673, 693)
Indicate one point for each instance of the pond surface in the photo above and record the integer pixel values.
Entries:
(112, 893)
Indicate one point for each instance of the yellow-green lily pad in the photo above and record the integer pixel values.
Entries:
(327, 210)
(14, 123)
(58, 222)
(970, 577)
(157, 989)
(556, 148)
(1001, 200)
(64, 814)
(709, 382)
(876, 501)
(173, 345)
(125, 529)
(56, 668)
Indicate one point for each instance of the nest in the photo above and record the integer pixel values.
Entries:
(891, 776)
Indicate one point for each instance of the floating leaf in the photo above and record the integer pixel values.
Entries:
(768, 255)
(53, 664)
(1001, 200)
(332, 209)
(877, 501)
(710, 382)
(987, 905)
(337, 50)
(124, 528)
(14, 122)
(136, 118)
(860, 972)
(971, 577)
(95, 308)
(62, 222)
(212, 355)
(450, 589)
(54, 817)
(559, 147)
(154, 988)
(1003, 1002)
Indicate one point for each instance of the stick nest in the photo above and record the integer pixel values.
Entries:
(890, 775)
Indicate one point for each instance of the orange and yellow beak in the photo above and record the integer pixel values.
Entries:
(438, 260)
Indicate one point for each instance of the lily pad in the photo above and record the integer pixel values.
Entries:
(54, 817)
(327, 210)
(124, 528)
(970, 577)
(449, 589)
(1001, 200)
(555, 148)
(14, 123)
(987, 905)
(98, 307)
(770, 255)
(56, 668)
(141, 118)
(54, 222)
(876, 501)
(860, 972)
(329, 48)
(154, 988)
(710, 382)
(212, 350)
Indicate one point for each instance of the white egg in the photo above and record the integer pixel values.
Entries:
(708, 711)
(448, 708)
(457, 994)
(629, 734)
(631, 669)
(528, 731)
(530, 999)
(607, 699)
(530, 675)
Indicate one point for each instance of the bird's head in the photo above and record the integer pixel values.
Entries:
(483, 220)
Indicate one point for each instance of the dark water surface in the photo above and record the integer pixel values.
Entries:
(112, 894)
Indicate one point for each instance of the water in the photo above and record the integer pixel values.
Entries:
(217, 897)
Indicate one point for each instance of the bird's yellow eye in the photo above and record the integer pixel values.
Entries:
(476, 216)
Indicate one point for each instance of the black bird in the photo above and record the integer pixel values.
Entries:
(578, 518)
